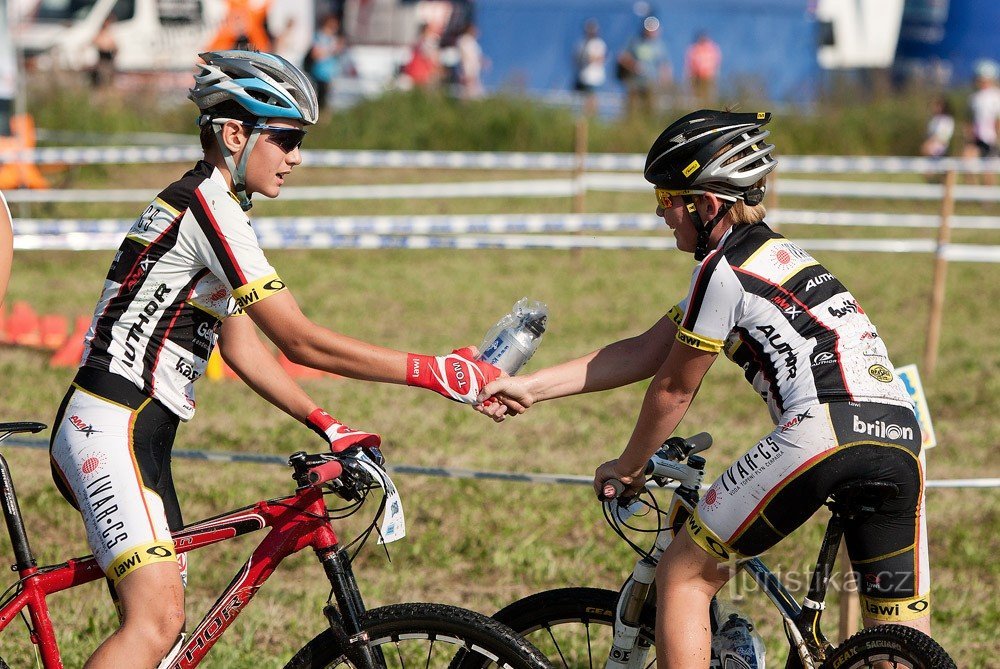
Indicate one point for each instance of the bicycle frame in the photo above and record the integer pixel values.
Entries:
(297, 522)
(802, 622)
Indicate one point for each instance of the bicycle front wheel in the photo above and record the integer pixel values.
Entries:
(574, 627)
(894, 646)
(426, 636)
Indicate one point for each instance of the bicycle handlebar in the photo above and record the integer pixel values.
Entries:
(324, 473)
(668, 463)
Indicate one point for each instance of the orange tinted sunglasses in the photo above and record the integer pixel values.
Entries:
(665, 197)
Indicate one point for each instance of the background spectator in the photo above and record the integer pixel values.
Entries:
(470, 63)
(644, 67)
(107, 48)
(291, 24)
(701, 65)
(984, 115)
(591, 55)
(423, 70)
(326, 58)
(939, 129)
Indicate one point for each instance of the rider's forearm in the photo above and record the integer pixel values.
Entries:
(663, 408)
(619, 364)
(317, 347)
(255, 365)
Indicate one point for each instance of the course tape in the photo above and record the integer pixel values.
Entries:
(101, 241)
(506, 223)
(496, 160)
(532, 188)
(457, 473)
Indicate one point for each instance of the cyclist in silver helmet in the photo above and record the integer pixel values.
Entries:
(190, 274)
(806, 346)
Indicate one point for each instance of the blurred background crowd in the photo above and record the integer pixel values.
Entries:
(612, 58)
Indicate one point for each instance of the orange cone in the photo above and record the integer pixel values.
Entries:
(14, 173)
(23, 326)
(53, 330)
(71, 351)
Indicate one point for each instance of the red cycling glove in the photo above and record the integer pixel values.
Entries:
(458, 376)
(340, 436)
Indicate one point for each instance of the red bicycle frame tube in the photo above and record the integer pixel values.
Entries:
(297, 522)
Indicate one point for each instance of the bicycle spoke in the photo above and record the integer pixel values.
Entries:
(555, 643)
(430, 651)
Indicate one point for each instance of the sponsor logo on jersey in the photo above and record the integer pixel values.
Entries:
(883, 430)
(880, 373)
(848, 307)
(81, 426)
(822, 358)
(92, 463)
(101, 496)
(818, 280)
(868, 335)
(245, 301)
(785, 254)
(185, 369)
(135, 330)
(274, 285)
(797, 420)
(757, 457)
(781, 348)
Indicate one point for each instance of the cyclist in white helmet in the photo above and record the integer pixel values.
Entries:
(191, 273)
(805, 345)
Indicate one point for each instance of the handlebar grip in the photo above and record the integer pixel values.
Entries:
(328, 471)
(699, 442)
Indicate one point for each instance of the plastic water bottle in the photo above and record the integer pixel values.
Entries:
(513, 340)
(737, 646)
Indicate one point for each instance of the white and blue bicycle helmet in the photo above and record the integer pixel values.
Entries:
(265, 85)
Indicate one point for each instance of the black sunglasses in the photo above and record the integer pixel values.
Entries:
(286, 139)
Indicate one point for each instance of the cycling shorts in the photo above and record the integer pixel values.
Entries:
(110, 454)
(784, 479)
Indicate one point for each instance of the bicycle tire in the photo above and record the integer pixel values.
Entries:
(446, 636)
(904, 647)
(573, 627)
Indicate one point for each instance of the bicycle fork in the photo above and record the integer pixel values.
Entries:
(345, 617)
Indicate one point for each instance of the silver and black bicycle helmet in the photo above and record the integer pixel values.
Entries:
(716, 152)
(264, 84)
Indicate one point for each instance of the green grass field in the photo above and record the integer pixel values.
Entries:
(483, 544)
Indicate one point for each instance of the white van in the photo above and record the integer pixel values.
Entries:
(150, 34)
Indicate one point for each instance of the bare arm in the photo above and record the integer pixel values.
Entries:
(667, 400)
(243, 350)
(618, 364)
(309, 344)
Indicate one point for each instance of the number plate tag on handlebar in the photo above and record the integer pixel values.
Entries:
(393, 526)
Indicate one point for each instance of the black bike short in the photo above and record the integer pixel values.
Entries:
(784, 479)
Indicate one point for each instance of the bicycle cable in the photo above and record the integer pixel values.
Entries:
(616, 523)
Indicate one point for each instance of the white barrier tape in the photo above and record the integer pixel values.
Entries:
(80, 241)
(498, 160)
(878, 219)
(506, 223)
(456, 473)
(452, 189)
(530, 188)
(382, 225)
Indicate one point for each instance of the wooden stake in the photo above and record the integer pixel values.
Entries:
(940, 275)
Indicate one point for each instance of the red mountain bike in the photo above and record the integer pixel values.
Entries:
(400, 635)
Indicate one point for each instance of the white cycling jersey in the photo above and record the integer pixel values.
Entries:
(800, 336)
(190, 260)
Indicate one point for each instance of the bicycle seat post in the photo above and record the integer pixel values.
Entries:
(24, 559)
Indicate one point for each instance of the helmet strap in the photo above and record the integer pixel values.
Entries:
(238, 172)
(703, 229)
